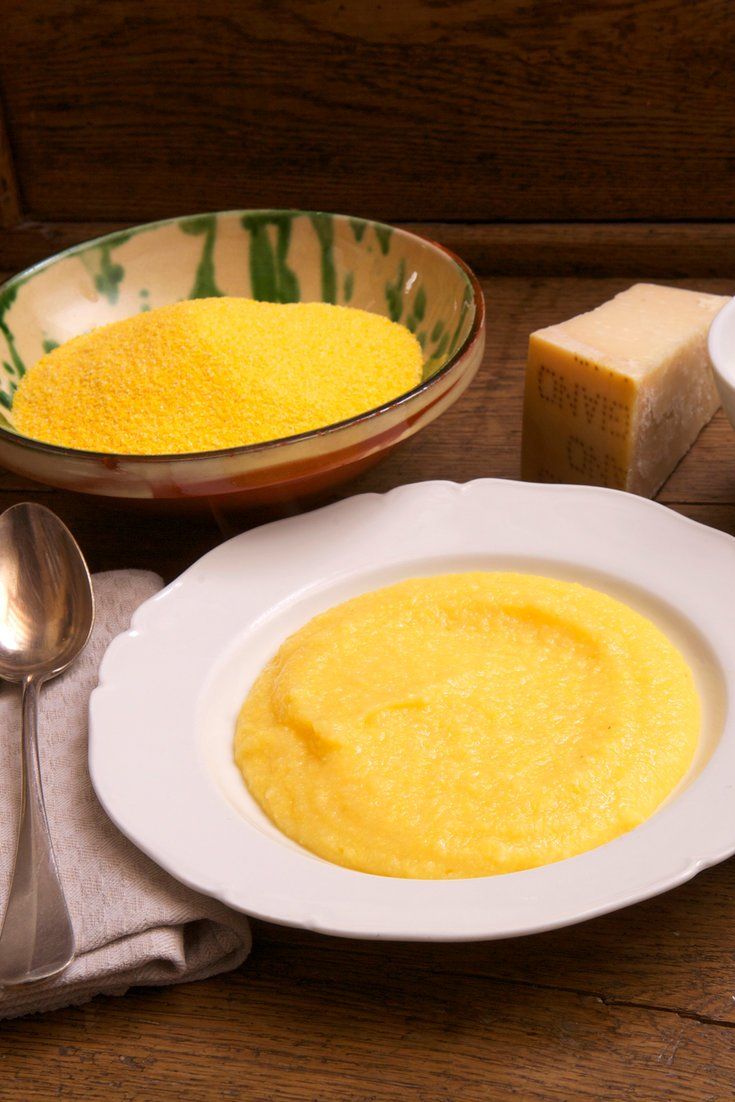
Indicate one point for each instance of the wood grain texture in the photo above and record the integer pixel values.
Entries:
(653, 250)
(423, 110)
(669, 954)
(10, 206)
(633, 1006)
(299, 1025)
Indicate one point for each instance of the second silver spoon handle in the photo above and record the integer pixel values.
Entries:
(36, 939)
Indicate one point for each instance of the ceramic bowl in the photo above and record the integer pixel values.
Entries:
(281, 256)
(722, 354)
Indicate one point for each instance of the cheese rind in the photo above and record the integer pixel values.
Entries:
(615, 397)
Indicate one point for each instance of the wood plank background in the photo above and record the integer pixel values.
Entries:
(423, 110)
(564, 149)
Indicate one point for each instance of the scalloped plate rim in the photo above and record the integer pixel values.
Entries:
(352, 904)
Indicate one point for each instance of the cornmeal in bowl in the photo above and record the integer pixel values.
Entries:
(215, 373)
(468, 724)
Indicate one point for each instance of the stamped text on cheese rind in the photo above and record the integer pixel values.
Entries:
(611, 416)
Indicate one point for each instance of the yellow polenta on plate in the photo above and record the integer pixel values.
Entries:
(468, 724)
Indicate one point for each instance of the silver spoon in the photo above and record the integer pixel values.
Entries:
(46, 615)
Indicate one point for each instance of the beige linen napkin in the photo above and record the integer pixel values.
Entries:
(133, 923)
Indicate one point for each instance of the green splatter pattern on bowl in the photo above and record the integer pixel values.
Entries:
(278, 256)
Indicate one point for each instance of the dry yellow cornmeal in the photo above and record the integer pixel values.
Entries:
(215, 373)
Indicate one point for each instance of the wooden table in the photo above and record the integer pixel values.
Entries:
(633, 1006)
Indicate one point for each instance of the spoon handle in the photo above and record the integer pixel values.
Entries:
(36, 939)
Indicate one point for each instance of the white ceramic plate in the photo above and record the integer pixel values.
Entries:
(162, 718)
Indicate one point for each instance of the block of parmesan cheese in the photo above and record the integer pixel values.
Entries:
(617, 396)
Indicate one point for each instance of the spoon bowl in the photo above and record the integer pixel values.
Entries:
(46, 616)
(46, 603)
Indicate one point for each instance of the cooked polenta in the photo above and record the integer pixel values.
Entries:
(468, 724)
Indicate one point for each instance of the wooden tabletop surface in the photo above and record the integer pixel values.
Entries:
(633, 1006)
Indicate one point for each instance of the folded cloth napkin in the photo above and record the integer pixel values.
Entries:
(133, 923)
